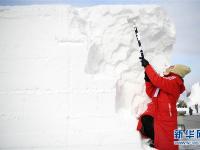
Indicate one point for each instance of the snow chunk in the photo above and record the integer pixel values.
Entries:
(113, 45)
(195, 94)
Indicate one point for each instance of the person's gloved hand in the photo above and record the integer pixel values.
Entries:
(144, 62)
(146, 78)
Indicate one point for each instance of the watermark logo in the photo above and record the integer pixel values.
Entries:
(187, 137)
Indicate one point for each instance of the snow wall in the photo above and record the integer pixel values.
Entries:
(70, 78)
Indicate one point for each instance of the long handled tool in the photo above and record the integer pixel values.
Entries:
(132, 23)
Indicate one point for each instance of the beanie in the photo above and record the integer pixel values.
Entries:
(178, 69)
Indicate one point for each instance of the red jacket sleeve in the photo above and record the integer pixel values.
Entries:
(169, 85)
(150, 89)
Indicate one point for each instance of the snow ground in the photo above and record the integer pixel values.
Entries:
(70, 77)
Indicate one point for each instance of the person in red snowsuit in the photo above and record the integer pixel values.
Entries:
(159, 121)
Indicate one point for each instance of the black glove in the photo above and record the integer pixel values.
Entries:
(146, 78)
(144, 62)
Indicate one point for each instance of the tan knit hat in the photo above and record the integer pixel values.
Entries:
(178, 69)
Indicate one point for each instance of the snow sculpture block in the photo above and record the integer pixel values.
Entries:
(113, 48)
(65, 71)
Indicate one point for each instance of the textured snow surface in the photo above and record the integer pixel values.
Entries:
(70, 77)
(195, 94)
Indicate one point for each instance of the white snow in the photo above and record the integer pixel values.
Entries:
(194, 97)
(70, 77)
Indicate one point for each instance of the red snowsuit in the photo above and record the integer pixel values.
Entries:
(164, 93)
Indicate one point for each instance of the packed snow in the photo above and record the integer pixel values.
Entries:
(194, 97)
(70, 77)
